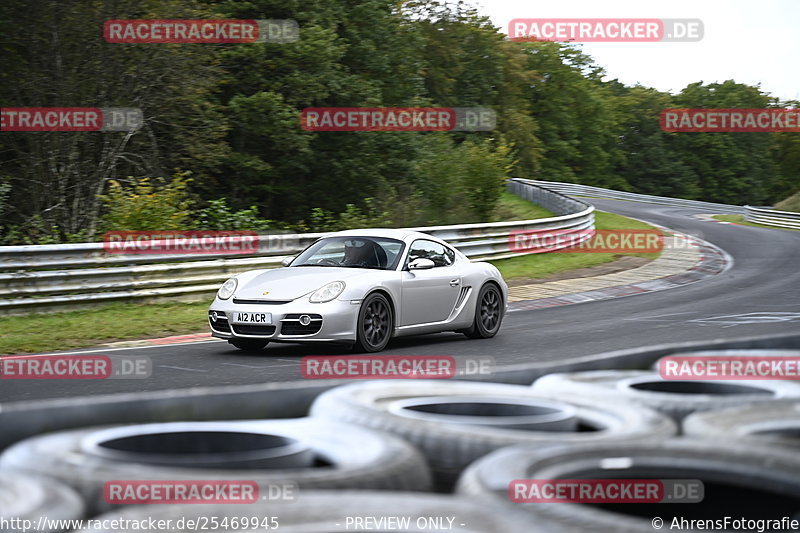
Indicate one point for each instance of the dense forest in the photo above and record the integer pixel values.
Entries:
(222, 147)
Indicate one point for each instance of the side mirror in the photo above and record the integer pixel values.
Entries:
(288, 260)
(421, 264)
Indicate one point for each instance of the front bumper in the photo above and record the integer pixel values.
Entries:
(333, 321)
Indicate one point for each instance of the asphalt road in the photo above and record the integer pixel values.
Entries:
(759, 295)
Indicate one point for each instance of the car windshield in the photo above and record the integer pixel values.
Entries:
(352, 252)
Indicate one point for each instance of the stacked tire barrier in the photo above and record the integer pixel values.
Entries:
(359, 454)
(308, 454)
(751, 483)
(26, 496)
(453, 424)
(674, 398)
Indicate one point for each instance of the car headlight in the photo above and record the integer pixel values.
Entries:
(327, 293)
(227, 289)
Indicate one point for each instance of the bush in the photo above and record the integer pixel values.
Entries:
(36, 230)
(487, 169)
(353, 217)
(219, 216)
(462, 183)
(143, 206)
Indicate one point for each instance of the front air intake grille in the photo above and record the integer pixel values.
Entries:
(220, 324)
(265, 331)
(291, 324)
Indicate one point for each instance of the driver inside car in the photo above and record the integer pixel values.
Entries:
(363, 254)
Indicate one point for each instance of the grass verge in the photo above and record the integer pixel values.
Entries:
(739, 219)
(533, 266)
(512, 207)
(76, 329)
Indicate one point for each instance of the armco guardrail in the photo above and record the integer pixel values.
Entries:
(771, 217)
(66, 276)
(599, 192)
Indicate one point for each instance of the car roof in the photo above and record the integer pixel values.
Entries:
(399, 234)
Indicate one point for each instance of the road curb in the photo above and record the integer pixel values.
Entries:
(175, 339)
(671, 270)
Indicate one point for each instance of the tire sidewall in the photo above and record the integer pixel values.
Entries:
(362, 344)
(478, 326)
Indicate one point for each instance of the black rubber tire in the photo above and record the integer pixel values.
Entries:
(30, 497)
(327, 512)
(249, 345)
(774, 423)
(684, 399)
(351, 458)
(489, 312)
(450, 447)
(732, 353)
(730, 472)
(373, 336)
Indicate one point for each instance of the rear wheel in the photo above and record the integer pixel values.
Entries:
(489, 310)
(375, 324)
(249, 345)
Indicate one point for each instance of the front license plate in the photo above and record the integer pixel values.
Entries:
(252, 318)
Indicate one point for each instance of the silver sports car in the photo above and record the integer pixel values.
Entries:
(361, 287)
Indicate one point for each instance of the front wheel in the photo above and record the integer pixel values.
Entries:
(489, 310)
(249, 345)
(375, 324)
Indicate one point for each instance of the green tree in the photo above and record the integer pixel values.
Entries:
(578, 123)
(733, 168)
(54, 55)
(653, 164)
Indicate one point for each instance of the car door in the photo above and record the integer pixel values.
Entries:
(429, 295)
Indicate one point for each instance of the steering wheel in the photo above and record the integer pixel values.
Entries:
(330, 262)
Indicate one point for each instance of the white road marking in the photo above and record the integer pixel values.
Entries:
(654, 318)
(182, 368)
(728, 321)
(245, 366)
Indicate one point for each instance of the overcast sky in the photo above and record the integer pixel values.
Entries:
(750, 41)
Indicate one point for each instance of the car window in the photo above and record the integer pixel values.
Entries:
(354, 252)
(438, 253)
